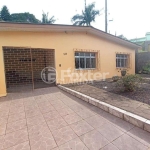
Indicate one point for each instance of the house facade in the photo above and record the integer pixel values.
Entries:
(77, 53)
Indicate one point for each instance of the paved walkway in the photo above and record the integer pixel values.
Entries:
(119, 101)
(49, 119)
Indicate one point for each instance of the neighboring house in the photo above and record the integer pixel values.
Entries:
(144, 42)
(26, 49)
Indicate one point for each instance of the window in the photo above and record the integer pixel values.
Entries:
(85, 60)
(122, 60)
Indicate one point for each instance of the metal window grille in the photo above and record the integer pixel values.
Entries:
(122, 60)
(85, 60)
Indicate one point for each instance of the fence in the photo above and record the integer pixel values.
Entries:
(141, 60)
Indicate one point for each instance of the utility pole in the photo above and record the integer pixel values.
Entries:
(106, 20)
(85, 4)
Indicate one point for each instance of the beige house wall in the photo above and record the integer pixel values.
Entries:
(65, 44)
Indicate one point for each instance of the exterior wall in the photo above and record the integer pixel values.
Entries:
(141, 60)
(13, 66)
(147, 46)
(64, 45)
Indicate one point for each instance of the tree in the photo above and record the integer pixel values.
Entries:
(4, 14)
(45, 19)
(87, 16)
(122, 37)
(24, 17)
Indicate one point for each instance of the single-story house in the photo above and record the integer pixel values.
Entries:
(74, 51)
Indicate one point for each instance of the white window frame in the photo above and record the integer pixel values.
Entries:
(84, 56)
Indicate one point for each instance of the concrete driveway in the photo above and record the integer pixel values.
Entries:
(49, 119)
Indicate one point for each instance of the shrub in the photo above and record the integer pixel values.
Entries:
(115, 78)
(129, 82)
(146, 68)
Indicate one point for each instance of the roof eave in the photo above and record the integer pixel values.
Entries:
(7, 26)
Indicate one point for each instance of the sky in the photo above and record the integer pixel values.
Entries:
(130, 17)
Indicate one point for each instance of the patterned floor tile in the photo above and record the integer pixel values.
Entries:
(52, 98)
(110, 147)
(47, 109)
(35, 120)
(15, 138)
(94, 140)
(16, 117)
(111, 118)
(44, 104)
(75, 144)
(68, 102)
(85, 113)
(3, 120)
(59, 106)
(123, 125)
(28, 99)
(4, 113)
(63, 135)
(60, 95)
(65, 111)
(51, 115)
(41, 138)
(1, 142)
(2, 128)
(42, 143)
(140, 135)
(56, 102)
(110, 132)
(38, 130)
(126, 142)
(31, 107)
(56, 123)
(4, 108)
(18, 103)
(30, 103)
(72, 118)
(76, 108)
(22, 146)
(15, 110)
(32, 113)
(17, 125)
(40, 99)
(81, 127)
(55, 148)
(97, 110)
(5, 103)
(96, 121)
